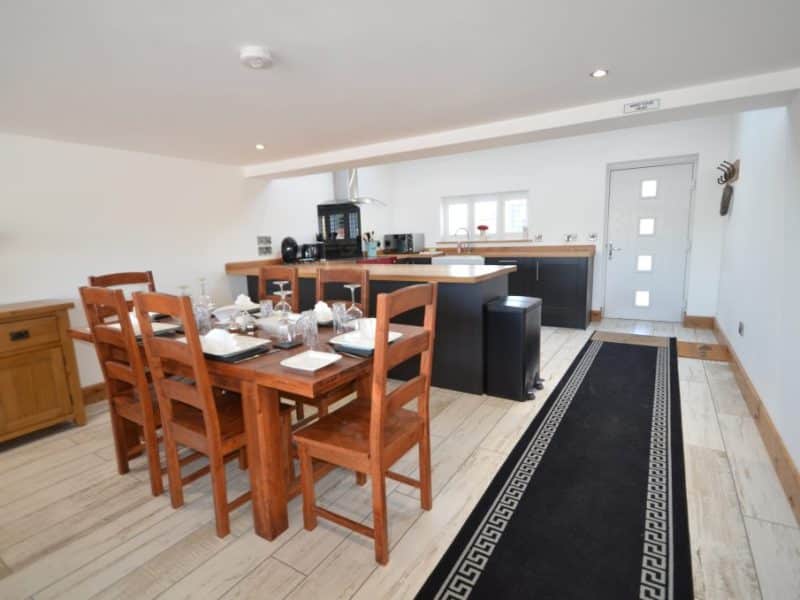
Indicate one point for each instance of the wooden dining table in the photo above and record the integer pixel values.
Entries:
(260, 380)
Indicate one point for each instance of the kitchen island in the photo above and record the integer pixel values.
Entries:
(463, 291)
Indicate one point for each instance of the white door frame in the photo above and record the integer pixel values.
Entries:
(685, 159)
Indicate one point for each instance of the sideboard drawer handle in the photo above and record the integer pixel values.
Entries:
(18, 336)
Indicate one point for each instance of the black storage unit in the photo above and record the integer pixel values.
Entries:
(563, 283)
(513, 340)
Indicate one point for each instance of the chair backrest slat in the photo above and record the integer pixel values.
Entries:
(405, 393)
(401, 350)
(111, 280)
(176, 389)
(127, 278)
(344, 276)
(121, 371)
(388, 355)
(268, 275)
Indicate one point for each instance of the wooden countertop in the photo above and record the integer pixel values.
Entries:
(530, 251)
(382, 272)
(33, 308)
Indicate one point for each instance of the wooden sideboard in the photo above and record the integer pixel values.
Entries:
(39, 384)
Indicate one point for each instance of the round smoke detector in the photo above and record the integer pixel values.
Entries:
(255, 57)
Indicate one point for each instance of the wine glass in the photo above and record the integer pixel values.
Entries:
(353, 313)
(283, 306)
(204, 299)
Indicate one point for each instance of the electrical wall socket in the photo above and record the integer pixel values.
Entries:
(570, 237)
(538, 237)
(741, 328)
(264, 243)
(592, 237)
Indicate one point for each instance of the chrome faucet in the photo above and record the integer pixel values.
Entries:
(468, 243)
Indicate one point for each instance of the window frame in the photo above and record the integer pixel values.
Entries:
(470, 200)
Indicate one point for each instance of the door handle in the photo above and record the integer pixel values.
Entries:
(611, 250)
(507, 262)
(537, 270)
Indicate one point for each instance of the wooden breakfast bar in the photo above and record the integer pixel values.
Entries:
(463, 291)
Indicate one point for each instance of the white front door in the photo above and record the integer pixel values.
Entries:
(648, 242)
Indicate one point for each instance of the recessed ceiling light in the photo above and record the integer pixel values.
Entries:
(259, 146)
(255, 57)
(599, 73)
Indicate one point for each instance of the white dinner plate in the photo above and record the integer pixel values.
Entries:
(158, 328)
(358, 341)
(310, 360)
(235, 344)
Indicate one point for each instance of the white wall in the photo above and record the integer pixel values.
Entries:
(68, 211)
(567, 183)
(759, 272)
(291, 204)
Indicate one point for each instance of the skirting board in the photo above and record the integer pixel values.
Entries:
(718, 352)
(781, 459)
(698, 322)
(94, 393)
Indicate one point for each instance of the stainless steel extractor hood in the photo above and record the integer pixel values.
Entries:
(345, 189)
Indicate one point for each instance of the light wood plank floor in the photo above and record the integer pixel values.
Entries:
(70, 527)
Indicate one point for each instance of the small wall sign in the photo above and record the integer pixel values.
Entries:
(642, 106)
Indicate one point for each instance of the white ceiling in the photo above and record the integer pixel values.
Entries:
(164, 77)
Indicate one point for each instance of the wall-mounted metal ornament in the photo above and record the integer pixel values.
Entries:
(727, 197)
(730, 172)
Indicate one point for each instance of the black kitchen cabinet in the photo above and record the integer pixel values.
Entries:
(563, 283)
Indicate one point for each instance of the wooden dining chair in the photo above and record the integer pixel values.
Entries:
(193, 414)
(333, 276)
(268, 275)
(370, 436)
(344, 276)
(114, 280)
(130, 400)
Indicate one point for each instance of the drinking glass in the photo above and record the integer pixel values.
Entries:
(307, 327)
(353, 313)
(339, 309)
(265, 309)
(202, 316)
(286, 332)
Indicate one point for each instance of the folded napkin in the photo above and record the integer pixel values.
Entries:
(243, 302)
(218, 341)
(323, 312)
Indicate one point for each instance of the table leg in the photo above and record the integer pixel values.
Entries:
(268, 485)
(364, 387)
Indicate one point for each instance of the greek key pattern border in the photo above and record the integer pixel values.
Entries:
(657, 555)
(468, 568)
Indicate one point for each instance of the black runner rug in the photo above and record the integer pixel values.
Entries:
(591, 503)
